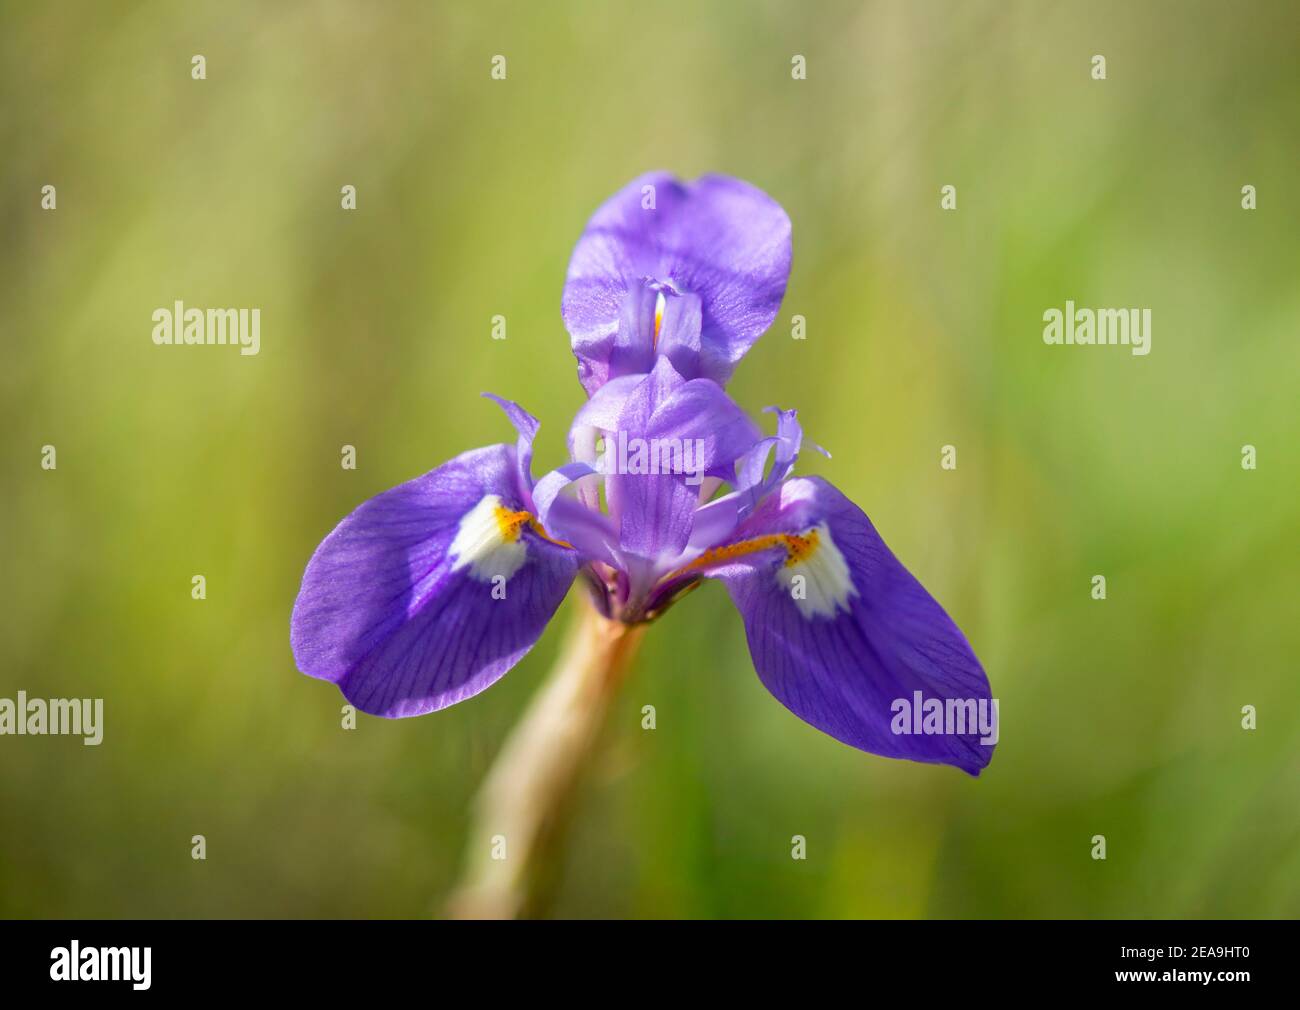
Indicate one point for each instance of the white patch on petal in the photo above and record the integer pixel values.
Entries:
(488, 541)
(815, 574)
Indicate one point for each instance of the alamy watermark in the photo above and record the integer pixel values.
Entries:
(652, 456)
(178, 325)
(1127, 327)
(922, 716)
(83, 717)
(75, 963)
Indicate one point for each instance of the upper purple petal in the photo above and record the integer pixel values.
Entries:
(874, 639)
(403, 623)
(718, 239)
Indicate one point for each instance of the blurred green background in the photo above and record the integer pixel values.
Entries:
(1119, 717)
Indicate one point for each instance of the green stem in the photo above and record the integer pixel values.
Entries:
(519, 812)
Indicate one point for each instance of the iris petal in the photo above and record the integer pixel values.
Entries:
(842, 647)
(718, 239)
(428, 593)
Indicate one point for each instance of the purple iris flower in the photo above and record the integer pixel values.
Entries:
(693, 272)
(429, 592)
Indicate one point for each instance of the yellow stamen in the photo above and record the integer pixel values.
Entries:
(798, 547)
(511, 524)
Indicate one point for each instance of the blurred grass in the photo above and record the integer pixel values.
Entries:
(1119, 718)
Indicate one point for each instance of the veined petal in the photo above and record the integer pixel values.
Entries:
(846, 638)
(664, 436)
(428, 593)
(718, 239)
(700, 415)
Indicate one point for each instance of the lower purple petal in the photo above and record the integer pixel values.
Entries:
(867, 647)
(406, 618)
